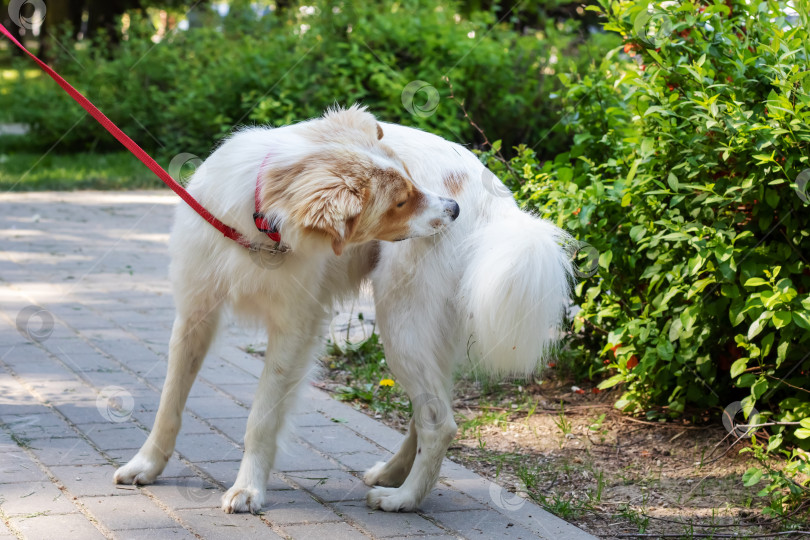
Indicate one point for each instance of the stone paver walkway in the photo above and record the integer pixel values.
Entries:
(85, 318)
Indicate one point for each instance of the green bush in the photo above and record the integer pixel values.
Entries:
(187, 91)
(686, 177)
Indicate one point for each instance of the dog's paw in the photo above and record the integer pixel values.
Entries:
(372, 476)
(139, 470)
(383, 474)
(391, 500)
(239, 499)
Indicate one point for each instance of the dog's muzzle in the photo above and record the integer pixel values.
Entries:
(451, 208)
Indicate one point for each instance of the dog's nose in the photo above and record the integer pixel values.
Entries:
(451, 208)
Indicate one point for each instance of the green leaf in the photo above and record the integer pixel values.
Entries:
(755, 282)
(632, 173)
(738, 367)
(675, 330)
(730, 290)
(772, 198)
(774, 441)
(672, 180)
(781, 318)
(781, 352)
(802, 433)
(605, 258)
(759, 324)
(611, 382)
(759, 387)
(805, 422)
(752, 477)
(801, 319)
(637, 232)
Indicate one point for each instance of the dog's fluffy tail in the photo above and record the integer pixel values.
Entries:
(515, 291)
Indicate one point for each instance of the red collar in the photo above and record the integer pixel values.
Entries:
(262, 223)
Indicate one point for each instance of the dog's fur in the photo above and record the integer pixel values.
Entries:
(489, 289)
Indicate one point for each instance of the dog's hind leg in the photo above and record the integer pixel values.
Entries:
(394, 472)
(192, 333)
(435, 429)
(287, 363)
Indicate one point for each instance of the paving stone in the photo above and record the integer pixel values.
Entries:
(5, 532)
(330, 485)
(86, 412)
(297, 457)
(483, 524)
(72, 451)
(186, 492)
(68, 347)
(232, 427)
(37, 426)
(441, 499)
(16, 466)
(337, 439)
(173, 533)
(127, 512)
(59, 392)
(223, 472)
(311, 419)
(22, 404)
(241, 392)
(34, 497)
(45, 369)
(89, 480)
(202, 390)
(333, 531)
(115, 435)
(219, 372)
(361, 461)
(59, 527)
(382, 524)
(87, 362)
(216, 407)
(239, 358)
(429, 537)
(214, 524)
(112, 376)
(295, 506)
(206, 447)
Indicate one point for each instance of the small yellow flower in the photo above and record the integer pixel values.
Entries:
(387, 382)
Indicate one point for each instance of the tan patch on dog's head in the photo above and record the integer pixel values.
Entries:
(345, 195)
(454, 181)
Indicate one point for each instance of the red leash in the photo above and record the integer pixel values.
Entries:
(145, 158)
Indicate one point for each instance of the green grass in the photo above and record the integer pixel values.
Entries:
(24, 171)
(364, 367)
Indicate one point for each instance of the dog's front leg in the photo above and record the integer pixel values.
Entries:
(191, 338)
(435, 429)
(278, 385)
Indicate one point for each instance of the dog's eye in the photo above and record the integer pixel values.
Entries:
(400, 205)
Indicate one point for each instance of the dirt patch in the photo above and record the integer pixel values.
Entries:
(574, 454)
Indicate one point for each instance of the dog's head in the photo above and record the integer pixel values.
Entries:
(352, 188)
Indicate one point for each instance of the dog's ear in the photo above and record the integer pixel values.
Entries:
(379, 132)
(335, 210)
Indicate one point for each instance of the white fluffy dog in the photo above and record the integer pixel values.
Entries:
(488, 288)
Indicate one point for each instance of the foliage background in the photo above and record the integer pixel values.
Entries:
(686, 177)
(194, 86)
